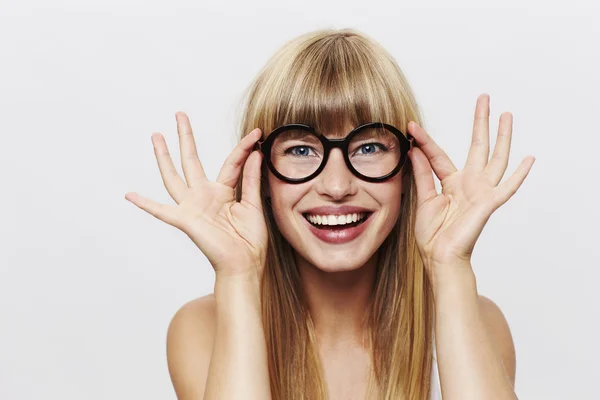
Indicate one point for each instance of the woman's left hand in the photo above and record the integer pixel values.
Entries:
(448, 223)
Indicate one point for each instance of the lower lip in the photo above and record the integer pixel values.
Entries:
(338, 236)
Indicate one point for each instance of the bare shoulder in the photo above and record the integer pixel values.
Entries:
(500, 334)
(190, 339)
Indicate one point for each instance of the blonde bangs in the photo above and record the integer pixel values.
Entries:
(331, 83)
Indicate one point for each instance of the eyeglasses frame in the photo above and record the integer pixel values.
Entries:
(406, 143)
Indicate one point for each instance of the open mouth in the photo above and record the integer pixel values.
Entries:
(336, 223)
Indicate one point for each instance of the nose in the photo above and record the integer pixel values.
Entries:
(336, 180)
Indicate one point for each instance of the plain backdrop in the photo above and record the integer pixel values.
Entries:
(89, 283)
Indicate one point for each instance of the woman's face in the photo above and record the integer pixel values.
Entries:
(331, 194)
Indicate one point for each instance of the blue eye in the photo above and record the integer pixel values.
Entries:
(370, 148)
(300, 151)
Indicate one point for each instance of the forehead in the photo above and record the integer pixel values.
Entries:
(330, 131)
(338, 132)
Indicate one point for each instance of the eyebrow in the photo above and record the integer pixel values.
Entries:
(365, 134)
(373, 132)
(297, 134)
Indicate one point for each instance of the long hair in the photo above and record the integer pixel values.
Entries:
(324, 79)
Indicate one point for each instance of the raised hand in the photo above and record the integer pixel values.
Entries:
(448, 223)
(232, 235)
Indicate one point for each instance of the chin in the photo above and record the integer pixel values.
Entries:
(338, 264)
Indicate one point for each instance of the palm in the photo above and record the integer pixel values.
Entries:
(448, 223)
(217, 223)
(232, 234)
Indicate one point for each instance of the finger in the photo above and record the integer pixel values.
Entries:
(232, 167)
(423, 175)
(251, 180)
(480, 142)
(171, 179)
(192, 168)
(163, 212)
(497, 165)
(439, 160)
(509, 187)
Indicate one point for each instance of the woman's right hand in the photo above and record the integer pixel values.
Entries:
(232, 235)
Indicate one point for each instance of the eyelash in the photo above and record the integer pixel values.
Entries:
(378, 145)
(291, 149)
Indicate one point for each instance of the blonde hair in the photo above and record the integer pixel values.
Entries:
(324, 79)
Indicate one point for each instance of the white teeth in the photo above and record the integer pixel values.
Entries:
(335, 219)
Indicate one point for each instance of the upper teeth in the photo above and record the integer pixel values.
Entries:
(335, 219)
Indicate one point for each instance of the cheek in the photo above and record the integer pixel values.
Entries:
(278, 193)
(388, 195)
(283, 198)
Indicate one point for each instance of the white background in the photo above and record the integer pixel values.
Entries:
(89, 283)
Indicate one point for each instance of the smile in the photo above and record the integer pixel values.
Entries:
(337, 221)
(338, 229)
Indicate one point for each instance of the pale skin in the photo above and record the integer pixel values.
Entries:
(215, 344)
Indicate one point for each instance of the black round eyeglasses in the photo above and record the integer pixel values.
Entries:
(374, 152)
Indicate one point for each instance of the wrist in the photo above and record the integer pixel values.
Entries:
(249, 276)
(452, 276)
(237, 290)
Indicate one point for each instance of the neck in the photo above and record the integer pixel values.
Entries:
(338, 301)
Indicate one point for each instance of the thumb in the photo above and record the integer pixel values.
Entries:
(251, 180)
(423, 175)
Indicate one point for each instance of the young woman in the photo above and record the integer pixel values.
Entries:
(341, 273)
